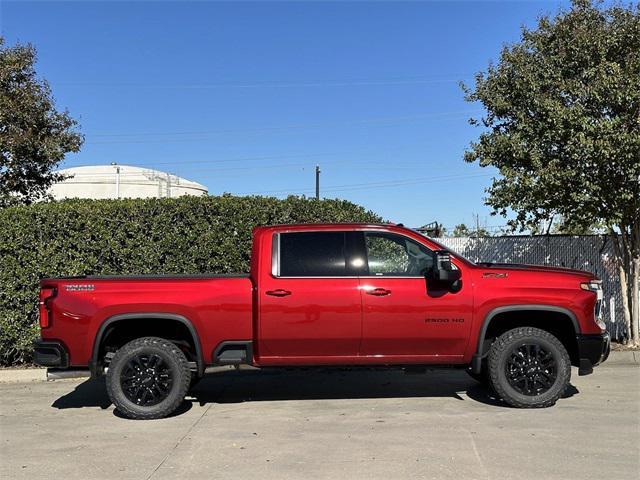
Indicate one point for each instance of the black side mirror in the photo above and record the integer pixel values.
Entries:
(443, 274)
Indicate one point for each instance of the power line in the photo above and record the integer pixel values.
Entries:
(148, 170)
(404, 183)
(135, 137)
(451, 228)
(228, 160)
(275, 84)
(370, 185)
(151, 170)
(331, 188)
(344, 153)
(308, 125)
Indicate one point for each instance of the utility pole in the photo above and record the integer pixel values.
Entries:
(317, 182)
(117, 179)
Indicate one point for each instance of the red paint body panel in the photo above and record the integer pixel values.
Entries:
(411, 321)
(218, 308)
(319, 318)
(320, 321)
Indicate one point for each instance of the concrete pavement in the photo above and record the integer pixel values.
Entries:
(333, 425)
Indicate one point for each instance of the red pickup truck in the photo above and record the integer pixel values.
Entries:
(328, 295)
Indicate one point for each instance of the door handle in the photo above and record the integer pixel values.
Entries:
(278, 292)
(379, 292)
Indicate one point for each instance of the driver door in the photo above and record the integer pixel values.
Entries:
(402, 319)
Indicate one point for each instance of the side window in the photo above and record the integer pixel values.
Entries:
(312, 254)
(396, 256)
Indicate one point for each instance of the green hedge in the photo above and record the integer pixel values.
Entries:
(93, 237)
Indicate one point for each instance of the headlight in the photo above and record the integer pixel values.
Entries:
(595, 286)
(592, 286)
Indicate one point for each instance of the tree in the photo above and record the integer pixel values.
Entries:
(34, 136)
(562, 126)
(560, 227)
(461, 230)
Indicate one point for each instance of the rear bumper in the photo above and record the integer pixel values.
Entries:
(592, 351)
(50, 353)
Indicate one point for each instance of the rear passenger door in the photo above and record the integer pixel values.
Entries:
(310, 307)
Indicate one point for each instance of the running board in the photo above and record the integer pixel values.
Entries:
(233, 352)
(62, 373)
(229, 368)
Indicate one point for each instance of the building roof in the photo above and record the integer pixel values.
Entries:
(122, 181)
(128, 173)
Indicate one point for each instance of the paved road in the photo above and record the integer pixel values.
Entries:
(337, 425)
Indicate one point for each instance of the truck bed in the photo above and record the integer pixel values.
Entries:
(218, 306)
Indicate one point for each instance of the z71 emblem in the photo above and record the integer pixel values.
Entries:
(494, 275)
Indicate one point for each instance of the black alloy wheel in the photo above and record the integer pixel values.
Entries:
(531, 370)
(146, 379)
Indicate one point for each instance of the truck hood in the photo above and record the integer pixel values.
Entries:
(535, 268)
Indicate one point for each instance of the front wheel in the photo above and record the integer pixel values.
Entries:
(529, 368)
(148, 378)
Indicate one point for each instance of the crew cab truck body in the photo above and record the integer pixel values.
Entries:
(323, 295)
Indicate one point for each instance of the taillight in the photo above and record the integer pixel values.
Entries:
(45, 314)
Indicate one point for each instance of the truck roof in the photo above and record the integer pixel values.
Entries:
(328, 226)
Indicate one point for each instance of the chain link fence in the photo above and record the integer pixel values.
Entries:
(593, 253)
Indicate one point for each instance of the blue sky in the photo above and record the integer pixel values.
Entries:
(247, 97)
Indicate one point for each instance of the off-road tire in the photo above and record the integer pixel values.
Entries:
(500, 353)
(175, 364)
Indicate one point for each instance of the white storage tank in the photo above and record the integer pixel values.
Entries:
(122, 181)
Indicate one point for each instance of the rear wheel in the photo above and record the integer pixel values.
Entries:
(529, 368)
(148, 378)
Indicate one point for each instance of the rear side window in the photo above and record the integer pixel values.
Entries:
(312, 254)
